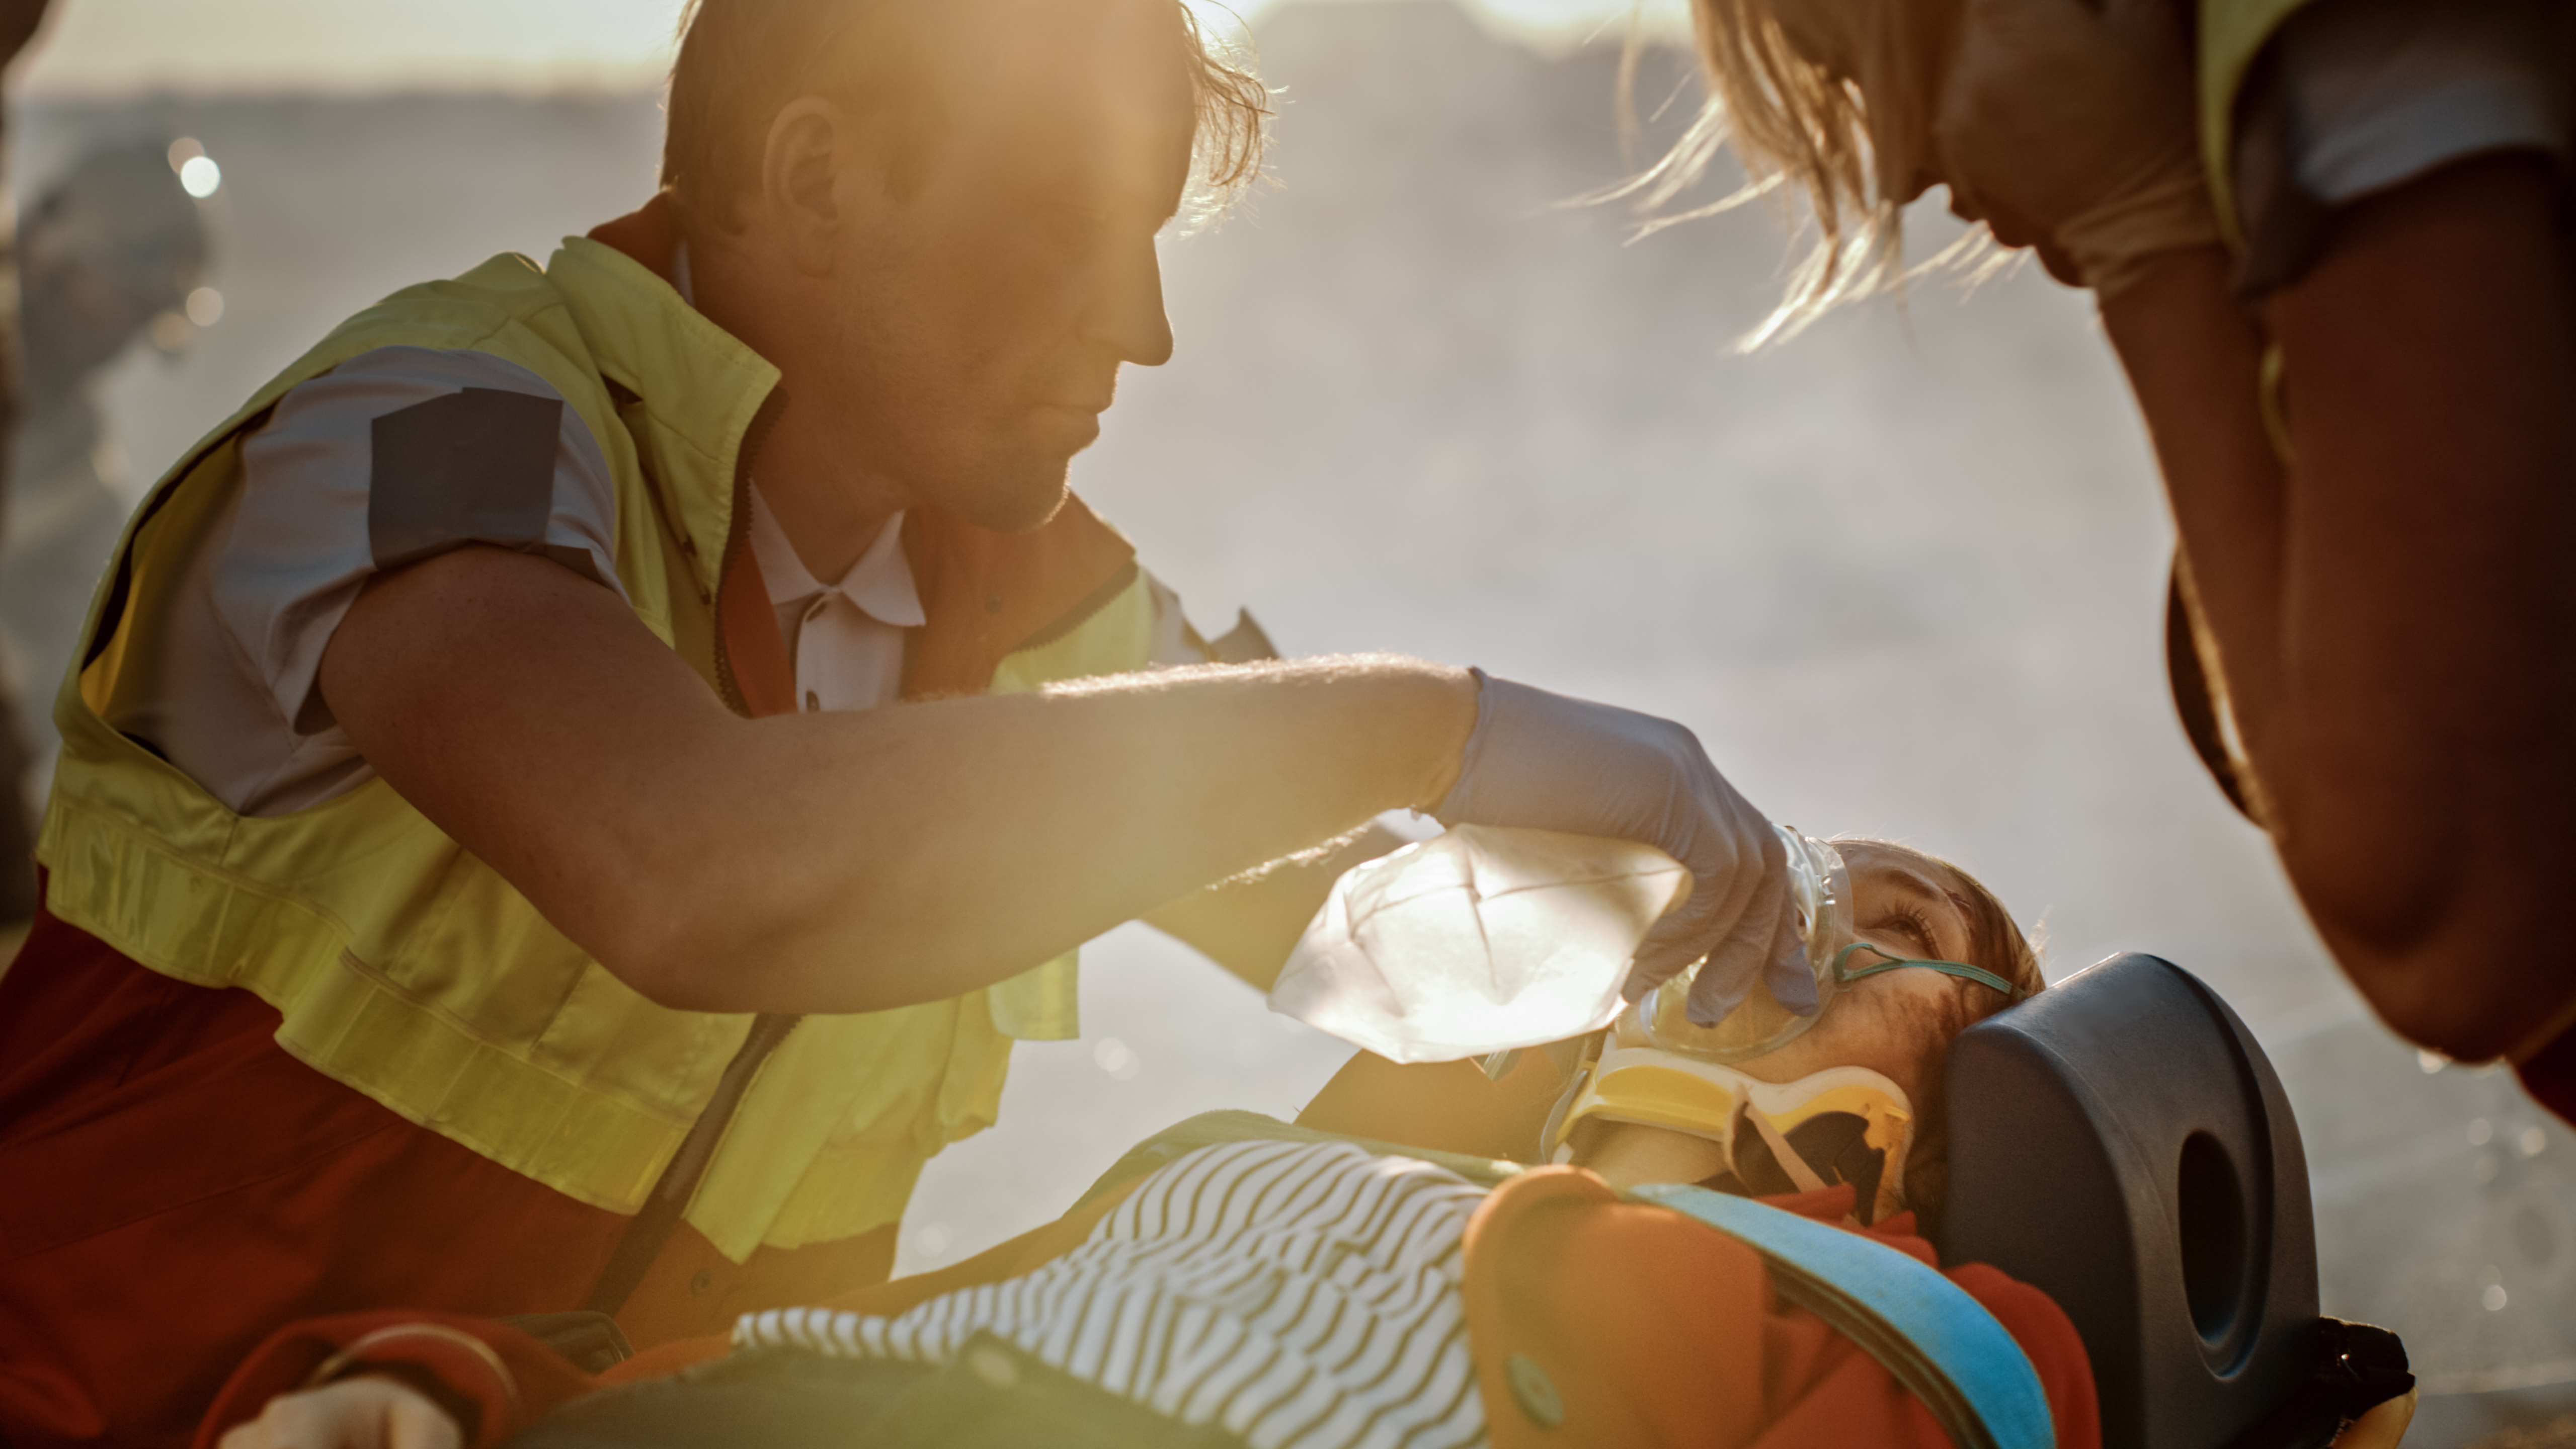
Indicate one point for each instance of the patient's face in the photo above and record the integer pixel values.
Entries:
(1897, 1023)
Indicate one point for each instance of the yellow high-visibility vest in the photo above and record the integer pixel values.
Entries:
(411, 971)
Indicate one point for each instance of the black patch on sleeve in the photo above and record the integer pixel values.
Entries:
(476, 466)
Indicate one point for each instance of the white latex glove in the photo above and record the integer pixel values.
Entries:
(1546, 762)
(2072, 125)
(360, 1413)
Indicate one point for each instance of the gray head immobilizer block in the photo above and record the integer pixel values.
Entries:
(2120, 1142)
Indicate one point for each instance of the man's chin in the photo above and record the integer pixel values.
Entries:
(1031, 519)
(1009, 489)
(1021, 504)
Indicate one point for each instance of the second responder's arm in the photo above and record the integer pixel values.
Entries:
(2399, 640)
(849, 861)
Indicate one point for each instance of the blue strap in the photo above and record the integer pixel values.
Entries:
(1939, 1342)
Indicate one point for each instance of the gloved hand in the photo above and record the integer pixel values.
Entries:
(1545, 762)
(2071, 125)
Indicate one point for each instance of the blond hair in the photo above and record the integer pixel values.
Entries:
(1846, 130)
(741, 61)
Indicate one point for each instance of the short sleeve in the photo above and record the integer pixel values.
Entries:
(390, 458)
(2356, 97)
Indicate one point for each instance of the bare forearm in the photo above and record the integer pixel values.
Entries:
(2194, 361)
(906, 854)
(2398, 652)
(2433, 488)
(848, 861)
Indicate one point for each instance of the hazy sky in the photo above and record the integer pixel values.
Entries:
(119, 46)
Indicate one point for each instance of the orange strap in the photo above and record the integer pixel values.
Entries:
(754, 654)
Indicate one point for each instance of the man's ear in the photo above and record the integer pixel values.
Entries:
(815, 182)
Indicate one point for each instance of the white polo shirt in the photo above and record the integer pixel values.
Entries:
(844, 638)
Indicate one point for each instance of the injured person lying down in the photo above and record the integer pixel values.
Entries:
(1370, 1276)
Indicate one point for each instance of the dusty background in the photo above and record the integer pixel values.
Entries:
(1904, 574)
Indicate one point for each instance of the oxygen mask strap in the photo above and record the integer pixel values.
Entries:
(1845, 976)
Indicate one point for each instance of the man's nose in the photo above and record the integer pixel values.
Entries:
(1131, 317)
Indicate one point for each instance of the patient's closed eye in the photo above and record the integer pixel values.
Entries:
(1909, 923)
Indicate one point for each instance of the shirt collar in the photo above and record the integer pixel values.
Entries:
(880, 583)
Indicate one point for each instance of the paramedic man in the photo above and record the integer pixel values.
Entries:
(409, 875)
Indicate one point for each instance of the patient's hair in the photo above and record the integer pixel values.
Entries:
(1843, 130)
(742, 61)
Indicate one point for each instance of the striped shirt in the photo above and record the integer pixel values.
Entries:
(1296, 1294)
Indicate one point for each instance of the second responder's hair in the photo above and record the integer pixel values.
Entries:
(1844, 135)
(741, 61)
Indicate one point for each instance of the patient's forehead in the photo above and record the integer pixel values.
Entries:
(1977, 926)
(1895, 877)
(1891, 858)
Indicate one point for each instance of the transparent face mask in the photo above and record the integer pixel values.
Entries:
(1820, 887)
